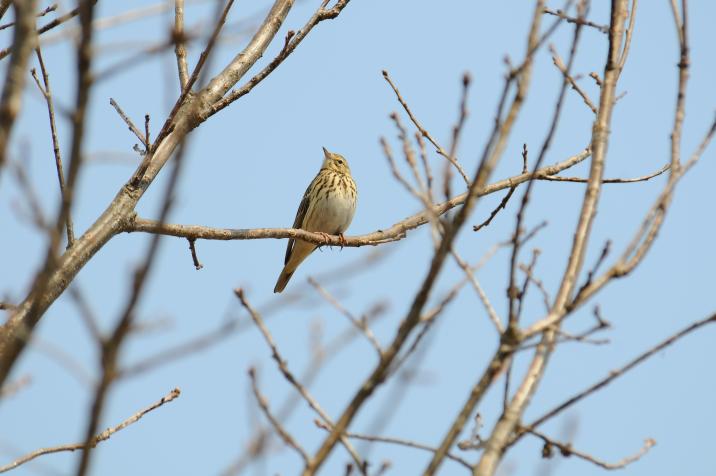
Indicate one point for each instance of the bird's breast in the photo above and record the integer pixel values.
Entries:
(332, 211)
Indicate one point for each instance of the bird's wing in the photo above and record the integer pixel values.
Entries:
(298, 222)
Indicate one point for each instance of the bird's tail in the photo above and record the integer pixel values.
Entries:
(300, 251)
(283, 279)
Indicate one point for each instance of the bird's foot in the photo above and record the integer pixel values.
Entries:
(342, 240)
(326, 237)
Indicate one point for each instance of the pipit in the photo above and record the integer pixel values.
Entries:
(327, 207)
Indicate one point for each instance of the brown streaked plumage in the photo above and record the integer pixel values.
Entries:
(327, 207)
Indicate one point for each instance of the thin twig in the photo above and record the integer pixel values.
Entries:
(49, 9)
(426, 166)
(420, 195)
(187, 90)
(180, 44)
(409, 154)
(590, 275)
(207, 51)
(194, 257)
(230, 326)
(538, 282)
(614, 374)
(557, 60)
(456, 133)
(628, 34)
(130, 124)
(292, 42)
(288, 375)
(86, 314)
(438, 148)
(427, 320)
(359, 324)
(528, 278)
(37, 215)
(146, 134)
(577, 21)
(567, 450)
(643, 178)
(398, 441)
(491, 312)
(320, 356)
(263, 403)
(47, 93)
(493, 213)
(105, 435)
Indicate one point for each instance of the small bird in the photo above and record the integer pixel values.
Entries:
(327, 207)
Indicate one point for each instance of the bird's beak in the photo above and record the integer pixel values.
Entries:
(326, 153)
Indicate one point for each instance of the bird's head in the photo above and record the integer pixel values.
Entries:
(335, 162)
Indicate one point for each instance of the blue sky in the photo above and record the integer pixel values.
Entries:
(248, 166)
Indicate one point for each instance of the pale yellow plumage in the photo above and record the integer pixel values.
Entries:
(327, 207)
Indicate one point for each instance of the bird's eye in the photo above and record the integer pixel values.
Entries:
(340, 161)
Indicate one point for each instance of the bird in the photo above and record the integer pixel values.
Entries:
(327, 207)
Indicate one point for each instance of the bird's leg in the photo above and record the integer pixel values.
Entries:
(342, 240)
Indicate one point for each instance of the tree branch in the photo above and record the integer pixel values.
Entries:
(23, 41)
(14, 333)
(396, 232)
(105, 435)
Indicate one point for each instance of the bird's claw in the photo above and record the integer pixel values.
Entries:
(326, 237)
(342, 240)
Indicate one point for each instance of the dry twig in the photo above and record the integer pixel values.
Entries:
(105, 435)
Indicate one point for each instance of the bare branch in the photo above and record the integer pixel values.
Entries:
(292, 42)
(292, 379)
(493, 213)
(179, 44)
(14, 333)
(643, 178)
(494, 447)
(194, 257)
(393, 233)
(540, 285)
(23, 41)
(577, 21)
(614, 374)
(54, 23)
(6, 4)
(628, 34)
(203, 56)
(263, 403)
(568, 77)
(423, 132)
(398, 441)
(359, 324)
(105, 435)
(567, 450)
(650, 226)
(142, 138)
(47, 93)
(492, 314)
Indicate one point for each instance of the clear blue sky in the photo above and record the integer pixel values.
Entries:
(248, 166)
